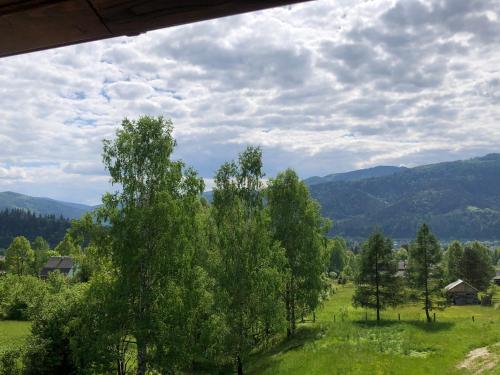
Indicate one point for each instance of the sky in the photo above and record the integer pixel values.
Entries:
(323, 87)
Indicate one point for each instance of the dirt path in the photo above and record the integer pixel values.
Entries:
(480, 360)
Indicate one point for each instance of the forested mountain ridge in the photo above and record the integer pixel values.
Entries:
(459, 199)
(42, 206)
(356, 175)
(18, 222)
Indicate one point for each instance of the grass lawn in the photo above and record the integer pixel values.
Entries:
(351, 345)
(13, 333)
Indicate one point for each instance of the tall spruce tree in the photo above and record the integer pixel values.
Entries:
(298, 225)
(476, 265)
(154, 231)
(250, 263)
(452, 259)
(424, 267)
(377, 285)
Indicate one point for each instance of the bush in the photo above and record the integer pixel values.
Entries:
(9, 362)
(21, 296)
(48, 348)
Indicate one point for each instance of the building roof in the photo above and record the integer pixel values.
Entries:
(454, 284)
(63, 264)
(31, 25)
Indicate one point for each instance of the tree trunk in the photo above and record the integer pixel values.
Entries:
(141, 357)
(377, 281)
(239, 364)
(292, 308)
(427, 303)
(426, 284)
(288, 317)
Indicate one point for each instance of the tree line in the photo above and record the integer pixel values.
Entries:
(173, 284)
(18, 222)
(181, 285)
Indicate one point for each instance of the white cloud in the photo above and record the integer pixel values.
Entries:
(323, 87)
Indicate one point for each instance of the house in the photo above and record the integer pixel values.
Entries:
(63, 264)
(496, 279)
(461, 293)
(402, 268)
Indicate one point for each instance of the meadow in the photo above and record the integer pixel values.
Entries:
(13, 334)
(341, 341)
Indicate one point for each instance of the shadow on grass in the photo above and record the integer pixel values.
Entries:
(422, 325)
(270, 356)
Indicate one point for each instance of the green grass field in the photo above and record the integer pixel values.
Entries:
(350, 345)
(13, 334)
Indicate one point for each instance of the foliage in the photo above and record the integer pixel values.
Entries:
(423, 267)
(297, 224)
(66, 247)
(452, 260)
(41, 251)
(154, 243)
(21, 296)
(250, 264)
(18, 222)
(19, 256)
(48, 349)
(338, 259)
(376, 283)
(476, 265)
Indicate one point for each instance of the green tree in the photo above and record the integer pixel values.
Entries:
(423, 265)
(338, 259)
(154, 242)
(19, 256)
(41, 250)
(66, 246)
(250, 264)
(476, 266)
(297, 224)
(376, 283)
(452, 259)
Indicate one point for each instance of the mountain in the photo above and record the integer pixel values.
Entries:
(459, 200)
(356, 175)
(42, 206)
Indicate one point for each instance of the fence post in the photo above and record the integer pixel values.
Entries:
(366, 316)
(434, 316)
(333, 317)
(472, 317)
(399, 316)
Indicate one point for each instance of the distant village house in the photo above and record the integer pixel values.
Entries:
(63, 264)
(496, 279)
(461, 293)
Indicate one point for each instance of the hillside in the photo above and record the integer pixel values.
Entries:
(42, 206)
(17, 222)
(458, 199)
(356, 175)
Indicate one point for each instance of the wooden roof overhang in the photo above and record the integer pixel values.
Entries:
(32, 25)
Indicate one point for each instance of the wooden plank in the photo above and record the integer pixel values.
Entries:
(50, 25)
(30, 25)
(136, 16)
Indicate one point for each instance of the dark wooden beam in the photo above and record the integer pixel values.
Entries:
(31, 25)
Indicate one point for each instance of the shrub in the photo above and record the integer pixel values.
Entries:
(9, 362)
(21, 296)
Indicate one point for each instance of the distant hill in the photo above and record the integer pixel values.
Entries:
(42, 206)
(459, 200)
(356, 175)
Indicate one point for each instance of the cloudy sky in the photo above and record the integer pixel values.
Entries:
(322, 87)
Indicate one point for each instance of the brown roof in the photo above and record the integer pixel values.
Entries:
(31, 25)
(63, 264)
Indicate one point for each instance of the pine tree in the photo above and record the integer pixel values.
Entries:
(377, 285)
(423, 265)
